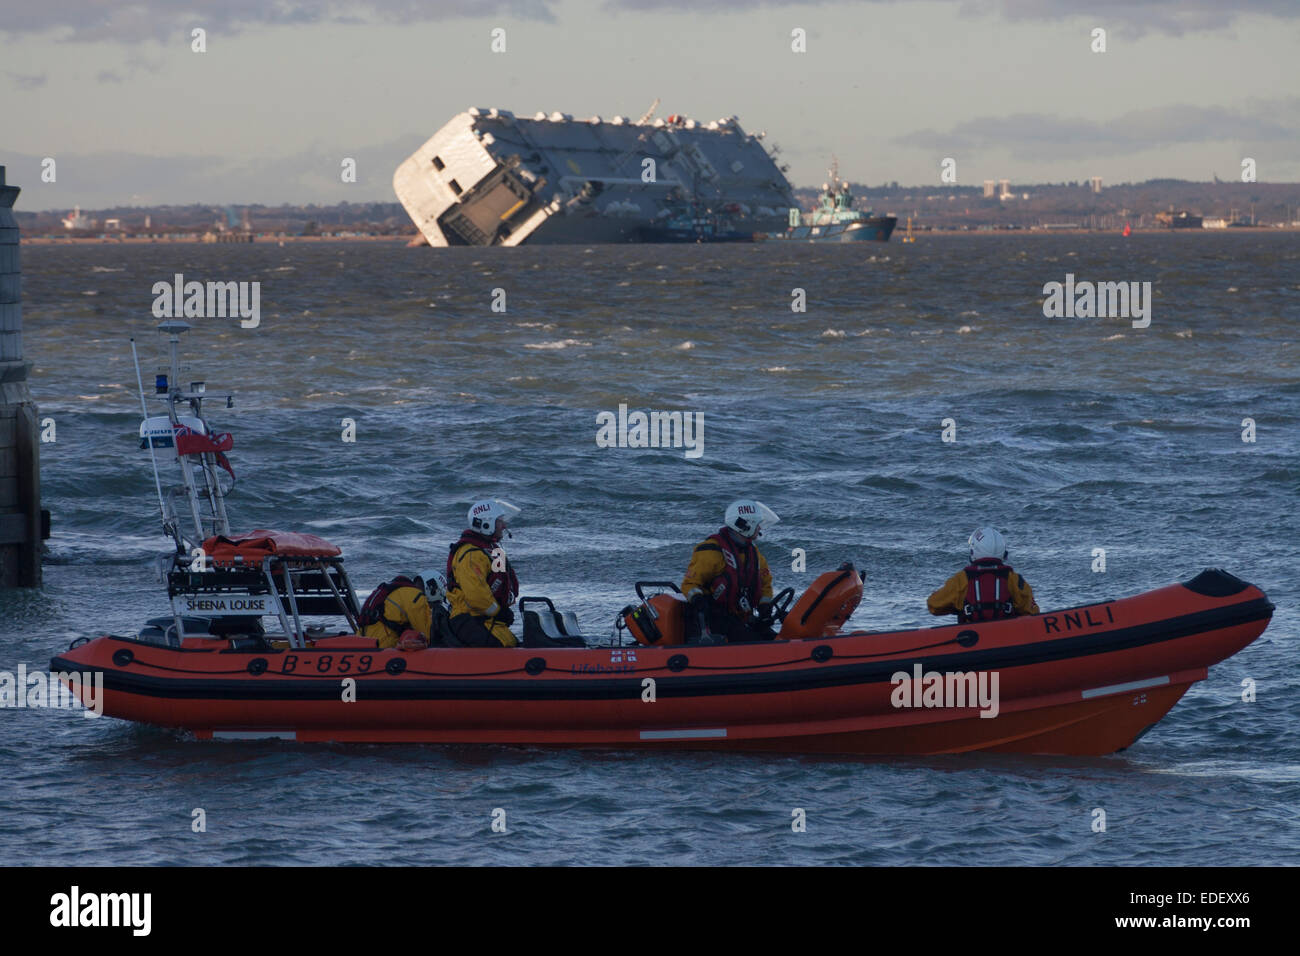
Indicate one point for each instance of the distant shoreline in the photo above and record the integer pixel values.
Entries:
(1250, 230)
(921, 236)
(194, 240)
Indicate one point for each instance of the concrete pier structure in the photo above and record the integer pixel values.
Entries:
(22, 527)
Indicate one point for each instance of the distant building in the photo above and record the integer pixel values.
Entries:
(1004, 189)
(1095, 182)
(78, 221)
(1179, 220)
(988, 188)
(112, 225)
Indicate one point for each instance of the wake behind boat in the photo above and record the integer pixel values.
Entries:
(1084, 680)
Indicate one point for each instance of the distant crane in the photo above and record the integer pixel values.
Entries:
(231, 227)
(235, 221)
(621, 159)
(645, 117)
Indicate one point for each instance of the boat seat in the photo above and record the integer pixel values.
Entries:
(162, 630)
(546, 628)
(550, 627)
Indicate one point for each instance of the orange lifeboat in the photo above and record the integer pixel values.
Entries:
(1085, 680)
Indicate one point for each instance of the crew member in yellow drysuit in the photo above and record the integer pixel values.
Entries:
(728, 581)
(404, 617)
(987, 589)
(481, 584)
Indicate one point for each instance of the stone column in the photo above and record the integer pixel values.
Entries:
(20, 464)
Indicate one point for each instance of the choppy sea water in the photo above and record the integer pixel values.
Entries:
(1071, 435)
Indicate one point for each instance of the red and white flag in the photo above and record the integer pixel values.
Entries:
(190, 442)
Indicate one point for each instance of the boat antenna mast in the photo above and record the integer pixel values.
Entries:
(168, 516)
(200, 485)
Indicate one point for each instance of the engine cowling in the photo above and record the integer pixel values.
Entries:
(822, 610)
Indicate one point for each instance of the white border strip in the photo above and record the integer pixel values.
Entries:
(254, 735)
(1121, 688)
(682, 734)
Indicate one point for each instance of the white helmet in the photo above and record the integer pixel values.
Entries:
(484, 515)
(748, 517)
(987, 543)
(435, 585)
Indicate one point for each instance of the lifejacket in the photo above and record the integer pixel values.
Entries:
(504, 585)
(988, 592)
(372, 612)
(736, 590)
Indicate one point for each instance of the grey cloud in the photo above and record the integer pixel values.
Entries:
(1043, 136)
(100, 180)
(132, 65)
(108, 178)
(1172, 17)
(139, 20)
(1127, 17)
(28, 81)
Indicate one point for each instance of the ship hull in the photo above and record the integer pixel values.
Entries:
(488, 178)
(663, 234)
(875, 229)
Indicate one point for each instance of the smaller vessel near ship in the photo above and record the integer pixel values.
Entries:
(835, 219)
(695, 225)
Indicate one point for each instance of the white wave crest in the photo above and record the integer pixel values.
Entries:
(558, 344)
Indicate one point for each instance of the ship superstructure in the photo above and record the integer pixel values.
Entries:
(490, 178)
(835, 219)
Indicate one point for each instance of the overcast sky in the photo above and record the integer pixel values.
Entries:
(287, 90)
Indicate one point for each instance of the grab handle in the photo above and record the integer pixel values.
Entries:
(655, 584)
(535, 600)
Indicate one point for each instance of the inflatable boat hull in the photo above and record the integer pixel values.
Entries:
(1085, 681)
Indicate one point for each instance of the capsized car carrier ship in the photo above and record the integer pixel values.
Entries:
(490, 178)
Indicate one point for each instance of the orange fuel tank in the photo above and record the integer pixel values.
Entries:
(825, 606)
(660, 621)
